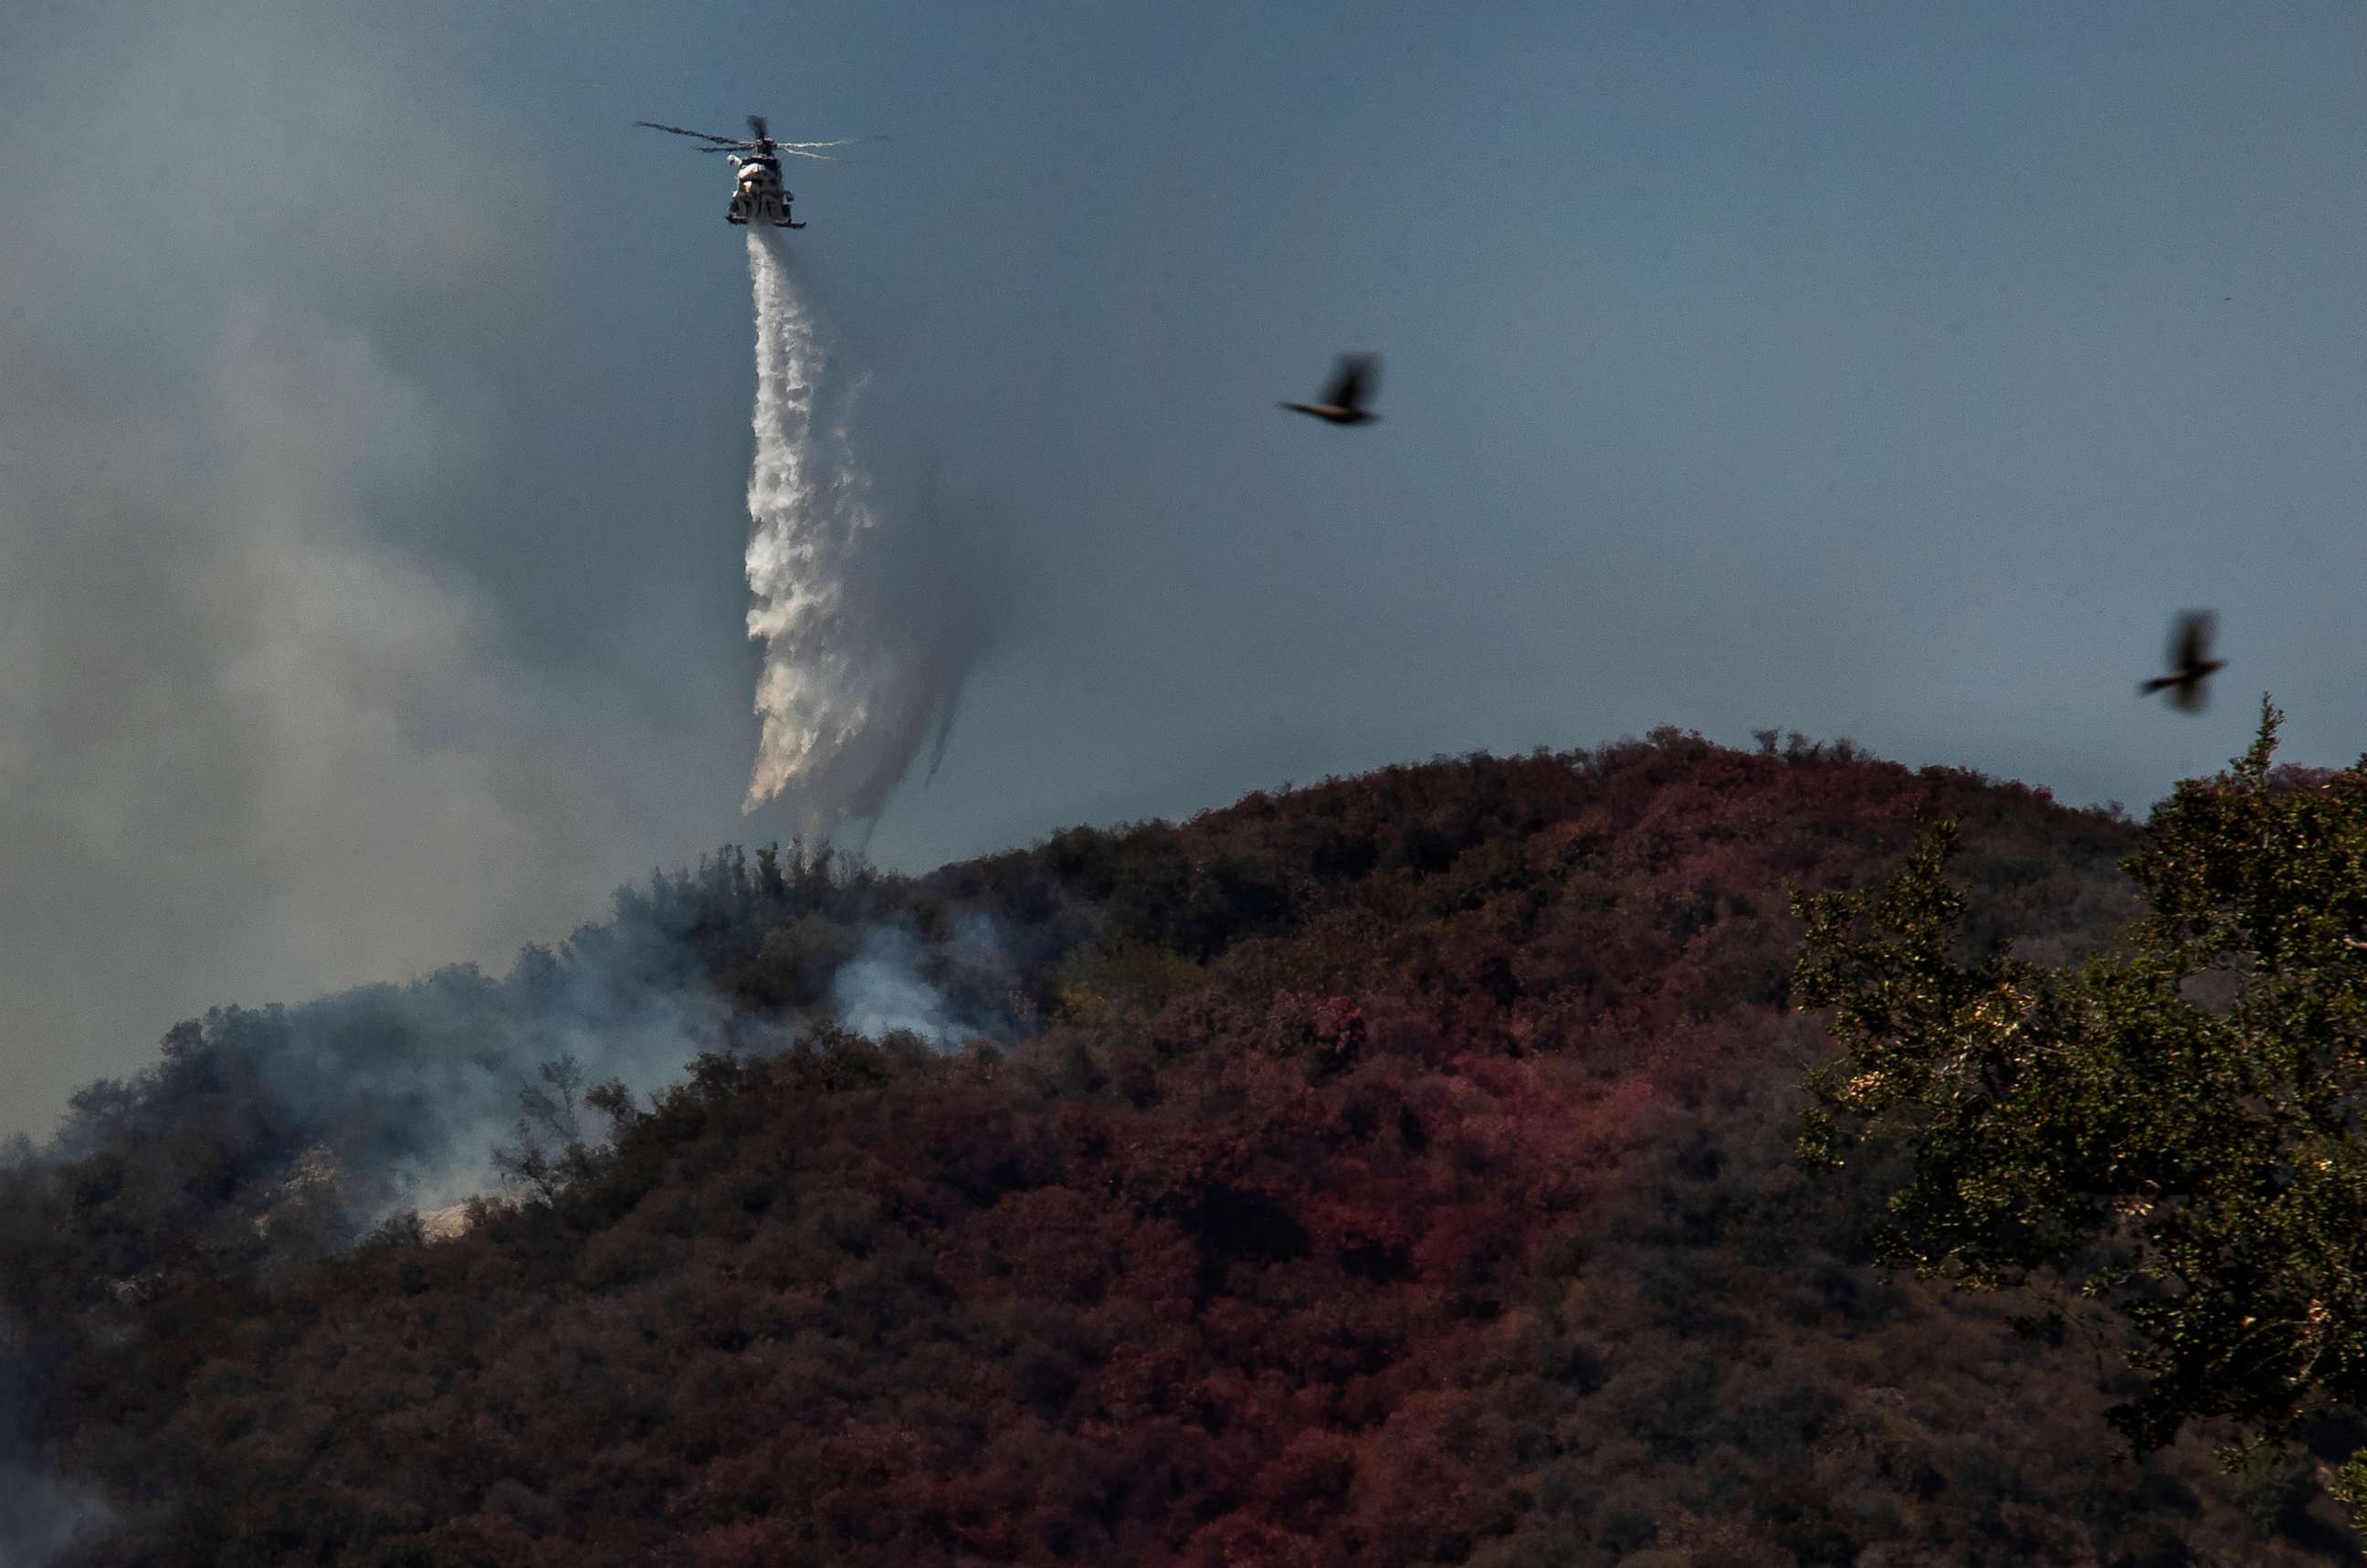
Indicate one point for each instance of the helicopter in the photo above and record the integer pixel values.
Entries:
(757, 196)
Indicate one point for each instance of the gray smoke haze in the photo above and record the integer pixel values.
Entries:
(412, 1088)
(43, 1513)
(387, 1098)
(335, 1116)
(340, 1113)
(383, 1098)
(886, 987)
(261, 734)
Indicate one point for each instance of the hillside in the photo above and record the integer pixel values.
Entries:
(1397, 1170)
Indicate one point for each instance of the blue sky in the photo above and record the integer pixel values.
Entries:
(370, 526)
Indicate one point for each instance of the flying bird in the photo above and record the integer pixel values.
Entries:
(1343, 399)
(2189, 647)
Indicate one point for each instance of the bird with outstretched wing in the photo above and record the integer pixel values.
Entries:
(2190, 662)
(1344, 398)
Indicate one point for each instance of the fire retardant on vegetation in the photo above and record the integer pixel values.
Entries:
(1399, 1170)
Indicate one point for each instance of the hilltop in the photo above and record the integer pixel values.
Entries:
(1395, 1170)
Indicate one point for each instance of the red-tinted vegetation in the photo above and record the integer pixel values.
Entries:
(1395, 1171)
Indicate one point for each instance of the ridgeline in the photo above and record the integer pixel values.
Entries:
(1397, 1170)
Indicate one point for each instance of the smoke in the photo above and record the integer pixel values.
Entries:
(42, 1514)
(412, 1088)
(333, 1114)
(868, 635)
(880, 992)
(294, 558)
(318, 1120)
(948, 993)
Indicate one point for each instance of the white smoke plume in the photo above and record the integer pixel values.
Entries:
(869, 636)
(45, 1514)
(888, 986)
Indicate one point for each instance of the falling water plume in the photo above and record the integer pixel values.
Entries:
(867, 644)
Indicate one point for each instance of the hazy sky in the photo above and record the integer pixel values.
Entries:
(374, 423)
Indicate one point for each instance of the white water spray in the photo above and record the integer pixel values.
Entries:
(864, 657)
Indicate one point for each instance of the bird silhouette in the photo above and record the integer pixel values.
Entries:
(1343, 399)
(2190, 646)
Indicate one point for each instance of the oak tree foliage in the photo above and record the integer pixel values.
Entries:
(2172, 1130)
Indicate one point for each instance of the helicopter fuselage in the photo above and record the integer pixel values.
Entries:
(758, 197)
(756, 193)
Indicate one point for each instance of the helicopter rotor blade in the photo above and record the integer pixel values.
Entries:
(808, 147)
(678, 130)
(756, 126)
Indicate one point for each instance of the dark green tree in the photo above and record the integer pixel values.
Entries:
(2176, 1129)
